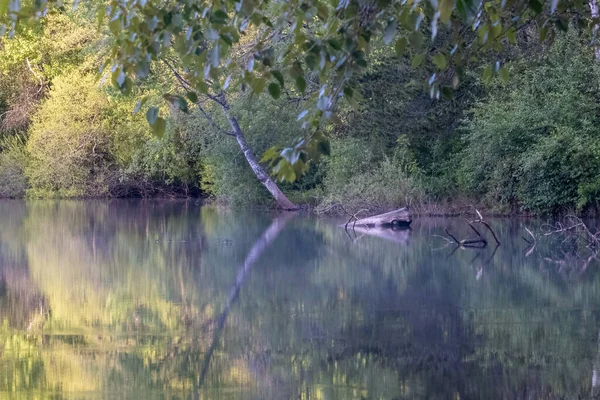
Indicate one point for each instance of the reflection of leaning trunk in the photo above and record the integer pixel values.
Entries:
(255, 252)
(594, 14)
(595, 378)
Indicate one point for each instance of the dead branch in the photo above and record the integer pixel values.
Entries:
(484, 223)
(477, 243)
(573, 228)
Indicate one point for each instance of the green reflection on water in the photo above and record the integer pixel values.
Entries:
(173, 300)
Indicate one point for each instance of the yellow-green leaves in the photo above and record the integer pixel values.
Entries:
(157, 123)
(445, 9)
(301, 84)
(400, 46)
(440, 61)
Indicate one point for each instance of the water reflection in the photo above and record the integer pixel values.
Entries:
(173, 300)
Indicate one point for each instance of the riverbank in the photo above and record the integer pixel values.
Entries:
(458, 208)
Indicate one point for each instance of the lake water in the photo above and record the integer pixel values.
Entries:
(170, 300)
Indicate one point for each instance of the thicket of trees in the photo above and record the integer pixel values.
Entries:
(521, 135)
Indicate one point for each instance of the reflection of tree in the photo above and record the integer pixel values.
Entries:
(255, 252)
(141, 297)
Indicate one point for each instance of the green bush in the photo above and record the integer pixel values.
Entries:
(173, 161)
(81, 141)
(534, 141)
(355, 180)
(225, 172)
(13, 161)
(69, 141)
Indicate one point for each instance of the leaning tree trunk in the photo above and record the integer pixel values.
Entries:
(594, 14)
(259, 171)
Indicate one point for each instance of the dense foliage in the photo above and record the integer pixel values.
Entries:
(529, 143)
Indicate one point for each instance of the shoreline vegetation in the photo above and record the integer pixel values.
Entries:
(447, 210)
(524, 146)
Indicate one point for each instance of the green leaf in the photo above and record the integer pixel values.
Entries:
(100, 13)
(274, 90)
(467, 9)
(193, 97)
(445, 7)
(336, 45)
(311, 61)
(488, 72)
(159, 127)
(271, 154)
(416, 39)
(152, 115)
(258, 85)
(324, 147)
(322, 11)
(180, 103)
(511, 35)
(226, 38)
(142, 69)
(279, 76)
(400, 46)
(536, 6)
(390, 32)
(562, 24)
(140, 103)
(503, 72)
(440, 61)
(301, 83)
(115, 26)
(417, 60)
(218, 17)
(543, 33)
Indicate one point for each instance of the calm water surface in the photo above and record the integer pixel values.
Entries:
(170, 300)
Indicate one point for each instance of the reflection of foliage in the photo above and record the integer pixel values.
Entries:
(131, 292)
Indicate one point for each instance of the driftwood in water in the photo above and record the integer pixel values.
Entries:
(392, 219)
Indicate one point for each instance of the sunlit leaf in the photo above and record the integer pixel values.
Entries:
(445, 8)
(159, 127)
(440, 61)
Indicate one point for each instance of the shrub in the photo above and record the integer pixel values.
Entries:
(171, 162)
(534, 141)
(13, 161)
(355, 180)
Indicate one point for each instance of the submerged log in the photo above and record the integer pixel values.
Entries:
(393, 219)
